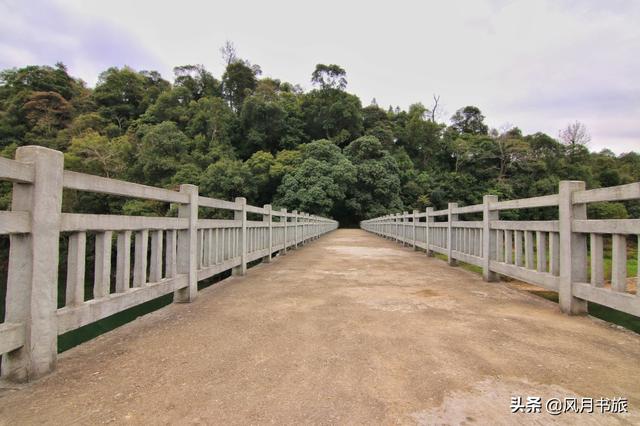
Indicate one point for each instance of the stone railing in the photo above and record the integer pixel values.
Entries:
(154, 255)
(564, 255)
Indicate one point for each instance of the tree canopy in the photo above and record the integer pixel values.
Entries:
(319, 151)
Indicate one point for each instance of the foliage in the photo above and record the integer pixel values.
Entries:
(267, 140)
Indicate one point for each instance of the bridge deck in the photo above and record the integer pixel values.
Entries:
(350, 329)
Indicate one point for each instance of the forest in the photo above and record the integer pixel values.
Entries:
(319, 151)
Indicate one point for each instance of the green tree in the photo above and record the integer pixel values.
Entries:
(238, 81)
(320, 184)
(120, 96)
(378, 184)
(197, 80)
(163, 149)
(329, 76)
(469, 120)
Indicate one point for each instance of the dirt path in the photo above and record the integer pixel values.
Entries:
(350, 329)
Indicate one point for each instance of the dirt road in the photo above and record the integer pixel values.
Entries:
(351, 329)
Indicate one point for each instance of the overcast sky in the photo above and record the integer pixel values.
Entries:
(536, 64)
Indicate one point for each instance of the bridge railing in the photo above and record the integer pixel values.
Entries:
(564, 255)
(154, 256)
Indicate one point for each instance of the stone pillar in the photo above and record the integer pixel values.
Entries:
(428, 219)
(489, 240)
(32, 279)
(451, 217)
(187, 255)
(241, 215)
(283, 219)
(573, 248)
(269, 219)
(415, 220)
(295, 229)
(405, 220)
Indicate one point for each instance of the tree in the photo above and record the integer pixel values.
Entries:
(575, 134)
(47, 112)
(332, 114)
(229, 53)
(420, 137)
(238, 81)
(320, 184)
(329, 77)
(197, 80)
(120, 95)
(378, 184)
(96, 154)
(227, 179)
(163, 149)
(469, 120)
(271, 119)
(435, 111)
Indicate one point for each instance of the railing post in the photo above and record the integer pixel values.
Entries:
(295, 229)
(398, 219)
(268, 218)
(451, 217)
(187, 251)
(405, 221)
(241, 215)
(415, 218)
(284, 220)
(32, 279)
(488, 238)
(428, 220)
(573, 248)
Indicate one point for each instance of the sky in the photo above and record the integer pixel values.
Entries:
(536, 64)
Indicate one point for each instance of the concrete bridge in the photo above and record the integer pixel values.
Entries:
(352, 328)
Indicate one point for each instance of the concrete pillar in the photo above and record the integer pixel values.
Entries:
(269, 219)
(32, 279)
(241, 215)
(489, 240)
(429, 220)
(283, 219)
(415, 221)
(405, 220)
(451, 217)
(573, 248)
(295, 229)
(186, 256)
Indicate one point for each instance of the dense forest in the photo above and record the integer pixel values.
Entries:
(319, 151)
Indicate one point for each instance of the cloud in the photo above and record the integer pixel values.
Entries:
(41, 32)
(537, 64)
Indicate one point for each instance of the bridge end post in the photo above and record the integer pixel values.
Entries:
(32, 279)
(268, 218)
(489, 240)
(186, 253)
(573, 248)
(428, 219)
(241, 215)
(450, 218)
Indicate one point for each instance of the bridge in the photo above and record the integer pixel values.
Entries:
(332, 326)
